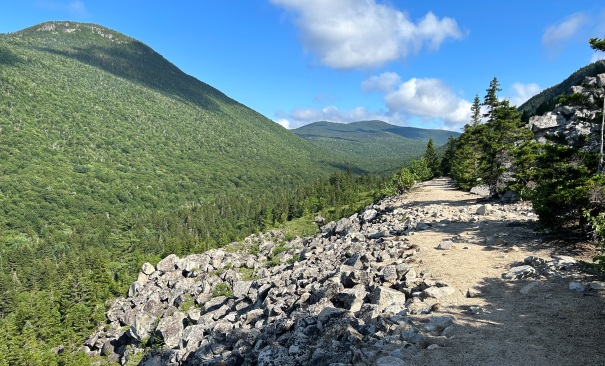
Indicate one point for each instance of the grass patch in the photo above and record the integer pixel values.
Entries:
(222, 289)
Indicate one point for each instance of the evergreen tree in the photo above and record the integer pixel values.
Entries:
(448, 156)
(432, 159)
(485, 152)
(491, 98)
(476, 111)
(597, 44)
(505, 131)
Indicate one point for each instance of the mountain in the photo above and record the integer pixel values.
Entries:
(110, 156)
(375, 146)
(547, 99)
(94, 123)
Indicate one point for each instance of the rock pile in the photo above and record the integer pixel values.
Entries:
(344, 296)
(575, 122)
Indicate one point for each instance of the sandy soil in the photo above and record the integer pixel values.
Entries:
(549, 325)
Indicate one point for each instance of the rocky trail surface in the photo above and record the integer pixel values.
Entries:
(433, 277)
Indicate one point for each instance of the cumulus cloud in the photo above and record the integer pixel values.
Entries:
(429, 99)
(557, 34)
(75, 8)
(384, 82)
(522, 92)
(302, 116)
(349, 34)
(284, 123)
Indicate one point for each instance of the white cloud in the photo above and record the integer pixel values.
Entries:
(429, 99)
(384, 82)
(75, 8)
(522, 92)
(348, 34)
(557, 34)
(284, 123)
(597, 56)
(302, 116)
(427, 103)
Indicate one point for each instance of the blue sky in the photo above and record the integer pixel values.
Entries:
(414, 63)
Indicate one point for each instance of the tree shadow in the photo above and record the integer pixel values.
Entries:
(8, 58)
(549, 324)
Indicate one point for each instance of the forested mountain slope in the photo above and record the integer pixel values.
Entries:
(376, 146)
(96, 123)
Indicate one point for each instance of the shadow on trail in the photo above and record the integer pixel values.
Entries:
(548, 325)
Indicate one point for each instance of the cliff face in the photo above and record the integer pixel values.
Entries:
(575, 121)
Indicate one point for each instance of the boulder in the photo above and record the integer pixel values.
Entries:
(484, 209)
(142, 327)
(171, 328)
(481, 190)
(385, 296)
(445, 245)
(438, 292)
(147, 268)
(168, 264)
(519, 272)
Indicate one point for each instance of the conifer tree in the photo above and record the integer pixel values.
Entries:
(448, 156)
(491, 98)
(597, 44)
(476, 111)
(432, 159)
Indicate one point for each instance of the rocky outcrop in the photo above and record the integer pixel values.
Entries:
(349, 295)
(574, 123)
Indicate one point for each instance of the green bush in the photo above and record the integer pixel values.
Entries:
(222, 289)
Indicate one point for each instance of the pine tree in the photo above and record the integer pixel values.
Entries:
(448, 156)
(476, 111)
(491, 98)
(432, 159)
(505, 131)
(597, 44)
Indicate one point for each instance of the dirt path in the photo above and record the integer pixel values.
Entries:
(548, 324)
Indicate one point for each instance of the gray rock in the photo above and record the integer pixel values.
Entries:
(438, 292)
(547, 121)
(142, 327)
(384, 296)
(437, 323)
(352, 299)
(389, 273)
(520, 272)
(445, 245)
(577, 286)
(328, 312)
(482, 190)
(241, 288)
(171, 328)
(168, 264)
(529, 288)
(147, 268)
(484, 209)
(369, 215)
(389, 361)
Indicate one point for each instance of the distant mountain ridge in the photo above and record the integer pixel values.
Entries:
(374, 145)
